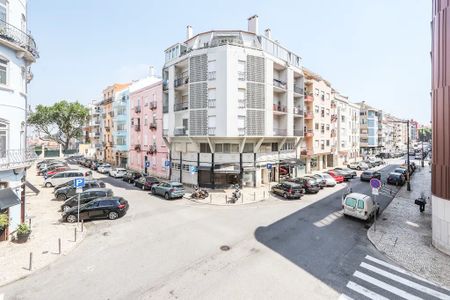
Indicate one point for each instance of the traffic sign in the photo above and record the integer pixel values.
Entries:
(375, 183)
(78, 182)
(269, 166)
(167, 163)
(147, 164)
(374, 191)
(79, 190)
(193, 169)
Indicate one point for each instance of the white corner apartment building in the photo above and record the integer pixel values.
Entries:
(18, 52)
(233, 108)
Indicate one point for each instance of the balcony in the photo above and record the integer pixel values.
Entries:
(309, 97)
(299, 111)
(307, 152)
(298, 132)
(279, 108)
(242, 76)
(137, 147)
(333, 118)
(14, 159)
(165, 85)
(212, 75)
(181, 106)
(180, 132)
(153, 125)
(211, 103)
(153, 105)
(212, 131)
(17, 37)
(309, 115)
(107, 128)
(241, 131)
(137, 109)
(309, 133)
(333, 104)
(298, 90)
(181, 80)
(279, 85)
(137, 127)
(279, 132)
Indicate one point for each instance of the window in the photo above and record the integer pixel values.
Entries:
(328, 143)
(3, 137)
(328, 96)
(3, 11)
(316, 109)
(274, 147)
(316, 126)
(328, 111)
(204, 148)
(248, 148)
(360, 204)
(3, 70)
(316, 92)
(328, 127)
(322, 128)
(322, 145)
(322, 112)
(350, 202)
(322, 95)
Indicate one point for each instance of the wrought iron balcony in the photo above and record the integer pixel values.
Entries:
(179, 132)
(153, 105)
(182, 79)
(280, 84)
(181, 106)
(16, 36)
(279, 132)
(137, 127)
(280, 108)
(12, 159)
(298, 89)
(153, 125)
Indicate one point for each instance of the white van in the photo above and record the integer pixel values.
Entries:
(62, 177)
(360, 206)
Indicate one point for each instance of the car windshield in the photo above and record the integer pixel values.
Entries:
(177, 186)
(327, 176)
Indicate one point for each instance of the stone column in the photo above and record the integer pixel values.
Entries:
(440, 178)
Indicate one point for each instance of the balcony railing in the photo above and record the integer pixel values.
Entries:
(165, 109)
(137, 147)
(279, 131)
(165, 85)
(16, 36)
(181, 106)
(137, 127)
(181, 80)
(152, 149)
(277, 107)
(241, 131)
(298, 111)
(333, 118)
(298, 89)
(280, 84)
(298, 132)
(179, 132)
(212, 75)
(137, 109)
(242, 76)
(211, 130)
(20, 158)
(211, 103)
(153, 105)
(153, 125)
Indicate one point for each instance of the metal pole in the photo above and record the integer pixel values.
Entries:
(75, 234)
(375, 216)
(254, 196)
(82, 225)
(408, 184)
(422, 151)
(59, 245)
(30, 265)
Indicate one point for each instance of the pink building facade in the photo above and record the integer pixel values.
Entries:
(148, 152)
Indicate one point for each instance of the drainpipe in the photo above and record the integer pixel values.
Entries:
(213, 180)
(181, 167)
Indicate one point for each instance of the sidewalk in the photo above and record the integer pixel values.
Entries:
(221, 196)
(43, 241)
(404, 234)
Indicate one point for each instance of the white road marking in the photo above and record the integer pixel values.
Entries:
(365, 292)
(329, 219)
(341, 297)
(397, 269)
(406, 282)
(386, 286)
(2, 296)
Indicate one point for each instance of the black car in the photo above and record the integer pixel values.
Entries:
(346, 174)
(146, 182)
(309, 185)
(94, 165)
(131, 176)
(402, 171)
(348, 170)
(321, 182)
(369, 174)
(71, 182)
(288, 190)
(86, 197)
(68, 191)
(396, 179)
(101, 208)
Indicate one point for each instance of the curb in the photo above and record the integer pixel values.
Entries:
(225, 204)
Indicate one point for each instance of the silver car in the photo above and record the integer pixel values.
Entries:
(327, 178)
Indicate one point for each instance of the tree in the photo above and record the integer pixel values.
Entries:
(59, 122)
(425, 134)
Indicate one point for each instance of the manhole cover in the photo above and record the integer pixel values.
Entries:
(225, 248)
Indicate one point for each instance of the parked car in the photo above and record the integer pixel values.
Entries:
(50, 167)
(94, 165)
(117, 172)
(403, 171)
(419, 155)
(104, 168)
(329, 181)
(107, 207)
(56, 170)
(71, 182)
(308, 184)
(396, 179)
(45, 161)
(322, 183)
(360, 206)
(337, 177)
(68, 191)
(169, 190)
(288, 190)
(146, 182)
(62, 177)
(369, 174)
(358, 166)
(348, 170)
(85, 197)
(347, 175)
(131, 176)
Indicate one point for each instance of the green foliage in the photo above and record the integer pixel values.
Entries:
(425, 134)
(60, 122)
(4, 221)
(23, 229)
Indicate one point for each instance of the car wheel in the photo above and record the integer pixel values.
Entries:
(61, 197)
(66, 207)
(166, 196)
(113, 215)
(48, 184)
(153, 191)
(285, 196)
(71, 218)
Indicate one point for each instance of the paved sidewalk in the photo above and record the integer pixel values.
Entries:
(43, 241)
(404, 234)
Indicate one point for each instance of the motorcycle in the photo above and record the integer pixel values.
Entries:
(236, 194)
(199, 193)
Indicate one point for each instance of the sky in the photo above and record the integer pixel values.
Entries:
(376, 51)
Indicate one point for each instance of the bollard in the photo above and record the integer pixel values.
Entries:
(226, 199)
(30, 265)
(242, 198)
(210, 198)
(254, 196)
(75, 234)
(82, 225)
(59, 245)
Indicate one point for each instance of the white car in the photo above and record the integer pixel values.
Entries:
(360, 206)
(358, 166)
(117, 172)
(105, 168)
(329, 181)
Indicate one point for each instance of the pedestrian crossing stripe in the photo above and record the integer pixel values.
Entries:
(364, 291)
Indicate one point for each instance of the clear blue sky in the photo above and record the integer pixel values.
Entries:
(377, 51)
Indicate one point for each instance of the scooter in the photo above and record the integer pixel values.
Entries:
(236, 194)
(199, 193)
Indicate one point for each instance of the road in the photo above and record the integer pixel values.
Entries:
(171, 249)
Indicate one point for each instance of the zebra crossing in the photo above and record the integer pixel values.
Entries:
(378, 280)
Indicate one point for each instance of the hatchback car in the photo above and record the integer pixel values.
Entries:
(309, 185)
(117, 172)
(369, 174)
(169, 190)
(358, 166)
(68, 191)
(104, 168)
(63, 177)
(71, 182)
(146, 182)
(339, 178)
(101, 208)
(402, 171)
(360, 206)
(85, 197)
(55, 171)
(329, 181)
(396, 179)
(348, 170)
(288, 190)
(131, 176)
(322, 183)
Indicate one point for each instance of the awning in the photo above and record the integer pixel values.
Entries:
(292, 162)
(8, 198)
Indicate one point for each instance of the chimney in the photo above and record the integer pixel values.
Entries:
(151, 71)
(188, 32)
(268, 33)
(253, 24)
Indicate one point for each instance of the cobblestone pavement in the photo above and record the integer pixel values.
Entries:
(42, 209)
(404, 234)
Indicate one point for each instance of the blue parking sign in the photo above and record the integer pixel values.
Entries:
(193, 169)
(269, 166)
(147, 164)
(78, 182)
(167, 163)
